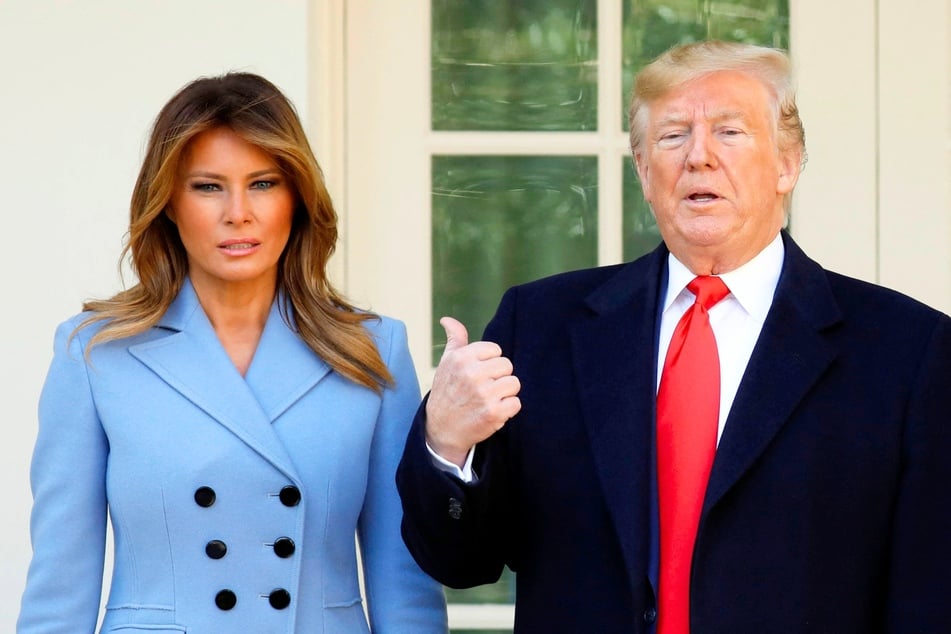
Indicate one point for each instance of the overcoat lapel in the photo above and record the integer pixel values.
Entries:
(791, 354)
(284, 367)
(192, 361)
(614, 353)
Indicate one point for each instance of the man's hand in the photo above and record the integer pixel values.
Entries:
(474, 394)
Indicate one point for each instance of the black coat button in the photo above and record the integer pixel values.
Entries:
(226, 600)
(455, 508)
(290, 495)
(284, 547)
(205, 496)
(650, 615)
(216, 549)
(279, 599)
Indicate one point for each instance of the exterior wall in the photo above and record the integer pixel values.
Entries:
(82, 82)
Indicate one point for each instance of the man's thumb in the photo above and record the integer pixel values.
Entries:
(456, 334)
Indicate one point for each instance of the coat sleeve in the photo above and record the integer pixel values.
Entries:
(920, 560)
(68, 521)
(460, 533)
(400, 596)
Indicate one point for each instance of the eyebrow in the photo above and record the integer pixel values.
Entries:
(721, 115)
(730, 114)
(257, 174)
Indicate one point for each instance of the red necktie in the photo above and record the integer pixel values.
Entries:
(688, 406)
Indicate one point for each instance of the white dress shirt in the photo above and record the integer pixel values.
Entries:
(736, 321)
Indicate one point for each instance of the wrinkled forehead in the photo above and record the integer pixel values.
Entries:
(718, 96)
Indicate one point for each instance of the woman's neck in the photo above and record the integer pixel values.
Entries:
(238, 313)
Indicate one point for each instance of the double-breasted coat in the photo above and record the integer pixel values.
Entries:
(233, 500)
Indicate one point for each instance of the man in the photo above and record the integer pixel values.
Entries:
(719, 437)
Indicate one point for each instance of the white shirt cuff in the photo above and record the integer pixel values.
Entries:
(465, 473)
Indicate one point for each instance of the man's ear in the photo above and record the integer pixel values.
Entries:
(790, 165)
(640, 164)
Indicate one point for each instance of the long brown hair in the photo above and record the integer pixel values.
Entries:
(257, 111)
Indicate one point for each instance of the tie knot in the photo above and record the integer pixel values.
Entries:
(709, 290)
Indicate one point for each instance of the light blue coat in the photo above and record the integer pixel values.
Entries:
(147, 421)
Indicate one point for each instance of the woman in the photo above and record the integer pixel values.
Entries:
(237, 417)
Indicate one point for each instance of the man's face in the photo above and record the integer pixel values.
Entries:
(712, 172)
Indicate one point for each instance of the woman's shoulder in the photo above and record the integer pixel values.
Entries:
(389, 335)
(383, 326)
(76, 332)
(82, 327)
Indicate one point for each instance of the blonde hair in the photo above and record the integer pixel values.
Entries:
(257, 111)
(682, 64)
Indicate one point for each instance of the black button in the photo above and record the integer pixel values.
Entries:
(284, 547)
(290, 495)
(216, 549)
(226, 600)
(279, 599)
(205, 496)
(650, 615)
(455, 508)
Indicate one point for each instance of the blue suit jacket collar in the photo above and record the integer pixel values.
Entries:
(193, 362)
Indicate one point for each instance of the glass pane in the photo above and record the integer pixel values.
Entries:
(502, 65)
(503, 220)
(640, 230)
(653, 26)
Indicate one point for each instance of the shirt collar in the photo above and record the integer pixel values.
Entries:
(752, 285)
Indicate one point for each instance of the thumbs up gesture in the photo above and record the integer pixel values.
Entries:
(474, 394)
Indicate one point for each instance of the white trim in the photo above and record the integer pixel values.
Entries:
(612, 141)
(835, 207)
(527, 143)
(328, 115)
(387, 163)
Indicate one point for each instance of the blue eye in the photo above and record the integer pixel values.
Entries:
(206, 187)
(263, 184)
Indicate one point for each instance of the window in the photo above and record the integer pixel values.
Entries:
(533, 175)
(530, 167)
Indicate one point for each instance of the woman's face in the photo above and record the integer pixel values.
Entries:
(233, 207)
